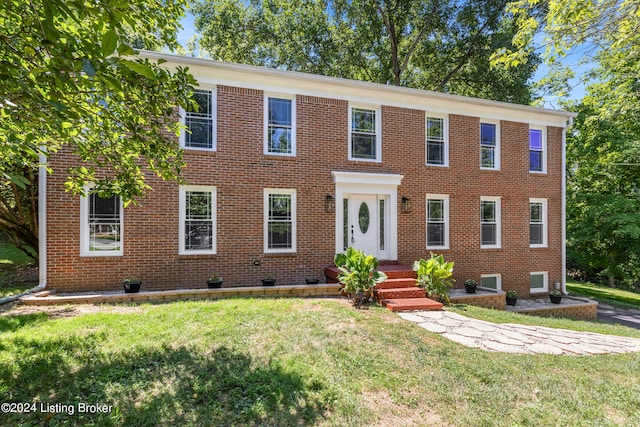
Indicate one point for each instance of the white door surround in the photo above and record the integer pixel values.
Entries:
(359, 187)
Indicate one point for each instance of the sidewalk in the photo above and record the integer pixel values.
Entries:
(523, 339)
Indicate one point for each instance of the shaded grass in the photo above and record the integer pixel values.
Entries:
(283, 362)
(16, 270)
(605, 294)
(11, 256)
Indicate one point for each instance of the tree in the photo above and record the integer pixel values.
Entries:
(438, 45)
(70, 81)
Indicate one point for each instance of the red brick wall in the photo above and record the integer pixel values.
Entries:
(240, 172)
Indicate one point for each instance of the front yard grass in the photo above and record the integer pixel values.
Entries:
(605, 294)
(17, 272)
(284, 362)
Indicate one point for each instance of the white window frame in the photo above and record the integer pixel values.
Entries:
(445, 199)
(543, 131)
(498, 280)
(544, 223)
(498, 212)
(292, 193)
(85, 232)
(378, 122)
(214, 118)
(182, 205)
(496, 153)
(445, 139)
(291, 98)
(545, 281)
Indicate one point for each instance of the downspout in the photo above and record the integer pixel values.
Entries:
(564, 206)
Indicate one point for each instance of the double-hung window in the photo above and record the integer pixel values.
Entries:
(489, 146)
(279, 220)
(364, 134)
(200, 132)
(490, 222)
(538, 223)
(197, 227)
(437, 221)
(101, 225)
(436, 141)
(537, 148)
(280, 126)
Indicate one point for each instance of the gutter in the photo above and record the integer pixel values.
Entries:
(564, 206)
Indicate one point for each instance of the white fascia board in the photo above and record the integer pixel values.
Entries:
(212, 72)
(366, 178)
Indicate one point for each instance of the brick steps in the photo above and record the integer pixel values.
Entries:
(404, 304)
(400, 293)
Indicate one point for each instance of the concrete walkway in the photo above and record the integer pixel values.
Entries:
(513, 338)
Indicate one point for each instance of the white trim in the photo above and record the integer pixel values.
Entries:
(42, 221)
(498, 277)
(182, 206)
(212, 72)
(543, 130)
(545, 222)
(214, 117)
(292, 98)
(445, 136)
(496, 153)
(498, 214)
(545, 282)
(445, 199)
(383, 185)
(294, 220)
(85, 232)
(378, 111)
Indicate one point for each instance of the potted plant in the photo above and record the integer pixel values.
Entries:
(358, 275)
(214, 282)
(555, 296)
(470, 286)
(512, 297)
(131, 285)
(269, 280)
(434, 276)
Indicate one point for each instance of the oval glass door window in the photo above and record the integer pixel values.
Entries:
(364, 217)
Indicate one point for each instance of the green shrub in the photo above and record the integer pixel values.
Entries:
(434, 276)
(358, 274)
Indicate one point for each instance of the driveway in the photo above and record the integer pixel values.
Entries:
(622, 316)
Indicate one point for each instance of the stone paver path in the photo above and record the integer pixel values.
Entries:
(513, 338)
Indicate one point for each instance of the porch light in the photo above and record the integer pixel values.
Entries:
(406, 204)
(329, 206)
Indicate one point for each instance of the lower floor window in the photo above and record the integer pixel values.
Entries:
(491, 281)
(197, 220)
(101, 232)
(538, 282)
(280, 220)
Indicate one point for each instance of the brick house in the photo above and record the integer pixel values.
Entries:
(285, 169)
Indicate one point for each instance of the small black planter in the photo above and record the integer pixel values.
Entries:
(554, 299)
(268, 282)
(470, 289)
(131, 287)
(512, 301)
(311, 281)
(214, 284)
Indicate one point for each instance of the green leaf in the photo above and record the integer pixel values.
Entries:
(140, 68)
(87, 67)
(109, 43)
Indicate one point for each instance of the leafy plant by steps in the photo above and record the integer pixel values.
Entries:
(434, 276)
(358, 274)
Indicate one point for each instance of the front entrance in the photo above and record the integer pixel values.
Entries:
(365, 223)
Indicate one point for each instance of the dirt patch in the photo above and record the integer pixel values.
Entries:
(54, 312)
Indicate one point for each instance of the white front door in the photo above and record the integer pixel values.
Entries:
(364, 223)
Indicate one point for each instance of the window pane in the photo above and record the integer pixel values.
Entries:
(435, 129)
(488, 211)
(280, 235)
(381, 220)
(198, 235)
(488, 134)
(435, 234)
(345, 223)
(363, 120)
(535, 161)
(104, 223)
(489, 282)
(535, 139)
(280, 112)
(487, 157)
(488, 232)
(435, 153)
(203, 99)
(280, 207)
(363, 146)
(535, 234)
(536, 212)
(436, 210)
(279, 140)
(537, 281)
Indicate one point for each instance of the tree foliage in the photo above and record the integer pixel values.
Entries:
(437, 45)
(70, 81)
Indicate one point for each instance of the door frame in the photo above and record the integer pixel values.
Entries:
(380, 184)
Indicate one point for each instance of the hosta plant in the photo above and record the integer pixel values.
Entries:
(358, 274)
(434, 276)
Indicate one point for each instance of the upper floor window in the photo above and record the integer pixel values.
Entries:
(489, 146)
(197, 228)
(200, 122)
(437, 221)
(101, 225)
(279, 220)
(436, 141)
(537, 149)
(280, 126)
(364, 135)
(538, 223)
(490, 222)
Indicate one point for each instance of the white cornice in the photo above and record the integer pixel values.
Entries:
(209, 72)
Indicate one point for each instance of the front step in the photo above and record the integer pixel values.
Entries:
(411, 304)
(397, 283)
(400, 293)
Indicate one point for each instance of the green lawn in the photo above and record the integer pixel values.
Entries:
(10, 256)
(16, 270)
(285, 362)
(605, 294)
